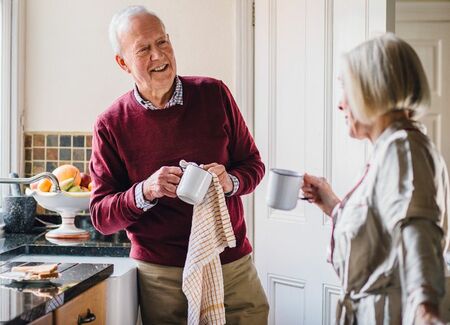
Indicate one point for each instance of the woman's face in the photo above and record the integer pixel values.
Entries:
(356, 129)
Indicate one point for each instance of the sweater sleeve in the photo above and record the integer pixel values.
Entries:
(245, 160)
(421, 265)
(113, 206)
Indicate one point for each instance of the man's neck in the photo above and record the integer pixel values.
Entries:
(158, 97)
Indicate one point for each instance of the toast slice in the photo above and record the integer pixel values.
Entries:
(36, 269)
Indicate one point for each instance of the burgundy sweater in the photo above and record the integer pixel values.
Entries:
(130, 143)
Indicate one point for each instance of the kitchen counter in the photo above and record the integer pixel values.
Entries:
(20, 304)
(116, 245)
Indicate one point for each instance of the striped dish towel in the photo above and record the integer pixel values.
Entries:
(211, 232)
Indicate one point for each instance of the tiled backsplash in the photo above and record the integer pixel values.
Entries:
(44, 151)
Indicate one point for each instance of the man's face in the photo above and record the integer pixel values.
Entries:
(147, 54)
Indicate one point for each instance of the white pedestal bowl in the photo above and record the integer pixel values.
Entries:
(67, 204)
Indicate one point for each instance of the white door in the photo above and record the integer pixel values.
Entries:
(427, 29)
(297, 47)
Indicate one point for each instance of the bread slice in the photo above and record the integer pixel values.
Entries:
(36, 269)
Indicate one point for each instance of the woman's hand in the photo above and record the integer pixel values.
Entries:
(318, 191)
(427, 314)
(222, 174)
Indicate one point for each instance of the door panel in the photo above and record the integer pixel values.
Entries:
(431, 40)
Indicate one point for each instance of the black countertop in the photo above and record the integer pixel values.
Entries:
(116, 245)
(21, 303)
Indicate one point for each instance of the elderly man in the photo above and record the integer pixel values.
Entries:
(137, 145)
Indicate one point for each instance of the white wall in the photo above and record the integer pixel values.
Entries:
(70, 72)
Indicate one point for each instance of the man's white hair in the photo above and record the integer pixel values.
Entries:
(121, 21)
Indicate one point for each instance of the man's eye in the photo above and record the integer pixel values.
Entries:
(143, 50)
(162, 42)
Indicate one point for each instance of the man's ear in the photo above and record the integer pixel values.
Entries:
(121, 62)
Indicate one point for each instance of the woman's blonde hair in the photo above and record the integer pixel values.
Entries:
(384, 74)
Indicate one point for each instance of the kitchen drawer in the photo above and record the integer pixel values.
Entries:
(93, 299)
(44, 320)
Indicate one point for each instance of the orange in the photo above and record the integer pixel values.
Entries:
(64, 172)
(44, 185)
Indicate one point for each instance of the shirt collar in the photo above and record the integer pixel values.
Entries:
(176, 99)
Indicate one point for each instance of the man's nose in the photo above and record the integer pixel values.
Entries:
(155, 53)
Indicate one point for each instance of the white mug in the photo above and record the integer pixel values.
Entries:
(194, 184)
(283, 188)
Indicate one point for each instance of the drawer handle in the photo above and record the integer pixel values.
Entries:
(89, 318)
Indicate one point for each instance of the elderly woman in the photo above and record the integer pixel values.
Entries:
(389, 230)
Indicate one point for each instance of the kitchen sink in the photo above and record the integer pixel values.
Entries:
(122, 295)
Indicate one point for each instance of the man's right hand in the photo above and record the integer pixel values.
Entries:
(163, 182)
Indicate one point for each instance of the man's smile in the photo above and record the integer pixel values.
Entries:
(160, 68)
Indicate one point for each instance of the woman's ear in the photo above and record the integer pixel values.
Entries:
(121, 62)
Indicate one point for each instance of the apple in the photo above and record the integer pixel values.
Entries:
(85, 180)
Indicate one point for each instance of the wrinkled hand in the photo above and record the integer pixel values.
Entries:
(318, 191)
(222, 174)
(427, 314)
(162, 183)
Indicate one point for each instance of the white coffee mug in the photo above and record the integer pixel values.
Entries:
(283, 189)
(194, 184)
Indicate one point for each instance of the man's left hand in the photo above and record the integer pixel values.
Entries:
(222, 174)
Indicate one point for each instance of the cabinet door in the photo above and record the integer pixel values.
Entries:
(44, 320)
(93, 299)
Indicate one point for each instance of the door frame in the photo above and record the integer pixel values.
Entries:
(244, 76)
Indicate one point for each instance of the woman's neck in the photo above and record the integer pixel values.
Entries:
(384, 121)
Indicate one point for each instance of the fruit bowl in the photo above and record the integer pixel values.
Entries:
(67, 204)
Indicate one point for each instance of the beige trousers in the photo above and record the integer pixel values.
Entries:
(163, 302)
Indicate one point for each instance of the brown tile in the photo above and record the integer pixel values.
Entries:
(78, 154)
(51, 154)
(38, 153)
(89, 141)
(86, 168)
(28, 140)
(38, 167)
(28, 154)
(28, 168)
(38, 140)
(88, 154)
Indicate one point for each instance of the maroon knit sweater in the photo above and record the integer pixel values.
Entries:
(130, 143)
